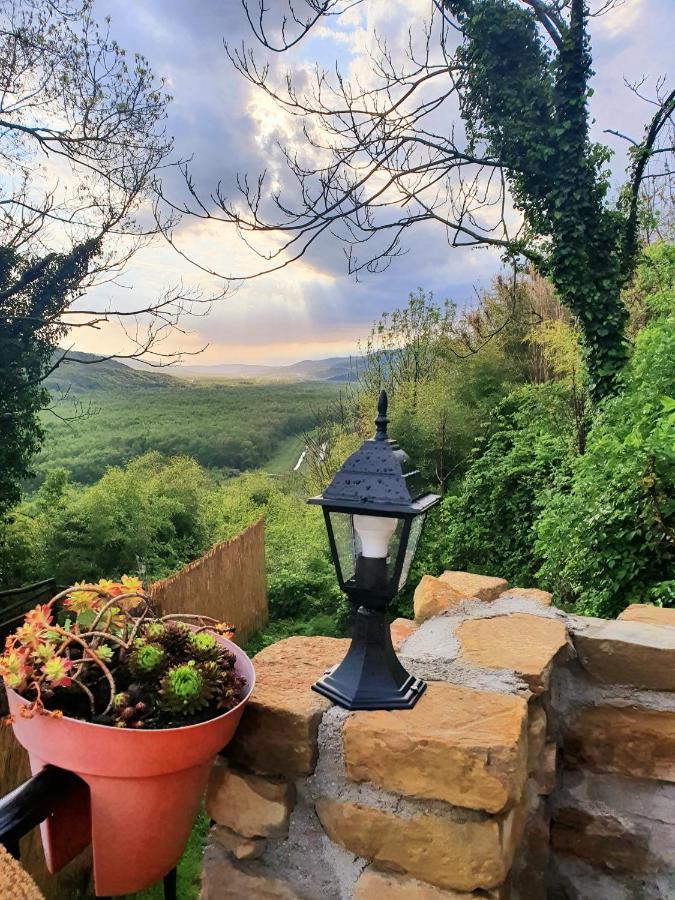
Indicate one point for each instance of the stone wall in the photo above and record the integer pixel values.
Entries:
(540, 762)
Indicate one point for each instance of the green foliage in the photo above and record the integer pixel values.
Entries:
(225, 425)
(595, 524)
(153, 516)
(146, 659)
(444, 372)
(301, 580)
(607, 534)
(322, 624)
(184, 690)
(488, 526)
(32, 292)
(557, 176)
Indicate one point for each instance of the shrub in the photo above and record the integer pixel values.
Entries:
(488, 526)
(608, 538)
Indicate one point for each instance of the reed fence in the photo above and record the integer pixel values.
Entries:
(227, 583)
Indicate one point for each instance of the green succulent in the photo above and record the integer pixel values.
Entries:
(185, 689)
(147, 659)
(203, 646)
(154, 631)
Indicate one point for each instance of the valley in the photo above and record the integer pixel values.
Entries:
(106, 413)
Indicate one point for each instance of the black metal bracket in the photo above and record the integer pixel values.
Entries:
(33, 801)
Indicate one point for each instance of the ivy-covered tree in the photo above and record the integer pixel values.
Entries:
(487, 106)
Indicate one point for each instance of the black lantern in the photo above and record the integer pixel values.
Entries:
(374, 511)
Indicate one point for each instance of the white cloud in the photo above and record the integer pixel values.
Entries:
(229, 128)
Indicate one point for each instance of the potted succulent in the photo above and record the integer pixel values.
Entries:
(136, 704)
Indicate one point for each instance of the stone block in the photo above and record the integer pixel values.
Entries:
(456, 855)
(279, 729)
(240, 847)
(251, 805)
(630, 741)
(400, 630)
(527, 878)
(523, 643)
(649, 614)
(480, 587)
(536, 735)
(466, 747)
(628, 652)
(603, 841)
(543, 598)
(432, 597)
(546, 772)
(224, 879)
(374, 885)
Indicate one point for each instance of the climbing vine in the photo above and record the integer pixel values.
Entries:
(529, 101)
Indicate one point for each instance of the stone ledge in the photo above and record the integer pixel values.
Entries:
(537, 724)
(528, 876)
(648, 613)
(279, 728)
(459, 856)
(239, 847)
(543, 598)
(628, 652)
(432, 597)
(250, 805)
(435, 595)
(624, 740)
(602, 841)
(480, 587)
(375, 885)
(401, 629)
(224, 879)
(466, 747)
(524, 643)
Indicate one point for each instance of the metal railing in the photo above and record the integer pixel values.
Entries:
(35, 800)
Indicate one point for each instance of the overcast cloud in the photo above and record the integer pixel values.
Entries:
(314, 309)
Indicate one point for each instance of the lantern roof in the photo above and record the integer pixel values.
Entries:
(377, 478)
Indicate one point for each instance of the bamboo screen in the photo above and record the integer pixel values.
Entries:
(227, 583)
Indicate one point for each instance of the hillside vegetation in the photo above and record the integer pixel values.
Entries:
(113, 414)
(539, 486)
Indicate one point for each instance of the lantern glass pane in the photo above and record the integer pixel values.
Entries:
(415, 532)
(346, 543)
(394, 544)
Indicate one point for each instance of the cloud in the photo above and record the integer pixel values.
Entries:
(226, 127)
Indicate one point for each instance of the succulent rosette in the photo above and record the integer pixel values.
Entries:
(99, 652)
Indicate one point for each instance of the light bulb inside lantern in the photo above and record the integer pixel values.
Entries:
(375, 533)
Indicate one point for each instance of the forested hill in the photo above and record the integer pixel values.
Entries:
(83, 373)
(107, 413)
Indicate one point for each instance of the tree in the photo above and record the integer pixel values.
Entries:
(512, 78)
(82, 139)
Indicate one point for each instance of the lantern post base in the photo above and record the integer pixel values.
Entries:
(370, 676)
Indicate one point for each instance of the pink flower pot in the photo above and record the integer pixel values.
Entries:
(144, 788)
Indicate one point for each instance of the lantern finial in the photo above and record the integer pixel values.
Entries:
(381, 421)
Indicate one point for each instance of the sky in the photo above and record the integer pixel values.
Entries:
(314, 309)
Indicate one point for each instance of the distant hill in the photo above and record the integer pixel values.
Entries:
(83, 373)
(335, 368)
